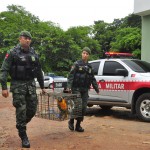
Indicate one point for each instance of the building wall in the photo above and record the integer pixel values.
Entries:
(142, 8)
(145, 48)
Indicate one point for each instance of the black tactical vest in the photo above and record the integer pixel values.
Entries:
(23, 64)
(82, 76)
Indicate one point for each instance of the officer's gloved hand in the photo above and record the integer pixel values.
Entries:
(67, 90)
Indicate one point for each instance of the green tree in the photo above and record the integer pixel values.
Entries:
(58, 49)
(83, 36)
(131, 20)
(103, 34)
(127, 40)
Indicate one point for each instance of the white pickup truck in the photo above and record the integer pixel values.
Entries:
(123, 83)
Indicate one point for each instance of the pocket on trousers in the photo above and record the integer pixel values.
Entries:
(18, 100)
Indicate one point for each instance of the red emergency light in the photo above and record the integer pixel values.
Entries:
(118, 55)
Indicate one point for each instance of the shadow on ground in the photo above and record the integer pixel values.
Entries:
(120, 113)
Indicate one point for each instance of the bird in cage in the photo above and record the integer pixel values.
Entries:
(62, 105)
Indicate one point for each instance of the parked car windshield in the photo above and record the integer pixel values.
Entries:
(138, 65)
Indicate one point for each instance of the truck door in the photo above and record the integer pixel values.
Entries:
(114, 86)
(98, 70)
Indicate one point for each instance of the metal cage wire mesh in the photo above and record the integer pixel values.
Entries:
(59, 106)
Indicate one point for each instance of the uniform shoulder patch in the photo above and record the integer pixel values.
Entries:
(7, 54)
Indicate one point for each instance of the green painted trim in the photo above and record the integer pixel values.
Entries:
(145, 47)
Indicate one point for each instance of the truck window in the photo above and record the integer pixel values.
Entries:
(95, 66)
(110, 67)
(138, 65)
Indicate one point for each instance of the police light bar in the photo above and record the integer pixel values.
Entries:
(118, 55)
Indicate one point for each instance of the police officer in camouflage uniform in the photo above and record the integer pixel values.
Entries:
(80, 78)
(22, 64)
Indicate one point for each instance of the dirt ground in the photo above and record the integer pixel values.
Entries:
(116, 129)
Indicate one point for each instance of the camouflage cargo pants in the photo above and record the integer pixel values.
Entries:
(82, 101)
(25, 102)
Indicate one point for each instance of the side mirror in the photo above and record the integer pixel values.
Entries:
(121, 72)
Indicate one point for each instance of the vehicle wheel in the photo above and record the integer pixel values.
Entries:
(143, 107)
(50, 86)
(105, 107)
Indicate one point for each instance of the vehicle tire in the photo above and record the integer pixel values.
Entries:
(50, 86)
(143, 107)
(105, 107)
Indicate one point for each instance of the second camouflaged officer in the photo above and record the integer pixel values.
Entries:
(80, 78)
(22, 64)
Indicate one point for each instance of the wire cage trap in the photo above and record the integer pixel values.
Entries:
(59, 106)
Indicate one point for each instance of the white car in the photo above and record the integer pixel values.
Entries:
(48, 82)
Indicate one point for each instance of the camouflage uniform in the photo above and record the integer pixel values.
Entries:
(22, 67)
(23, 88)
(80, 78)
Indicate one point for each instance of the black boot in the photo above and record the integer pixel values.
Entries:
(24, 138)
(78, 127)
(71, 124)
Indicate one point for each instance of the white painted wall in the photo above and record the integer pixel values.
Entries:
(142, 7)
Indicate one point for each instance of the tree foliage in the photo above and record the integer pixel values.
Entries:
(127, 39)
(58, 49)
